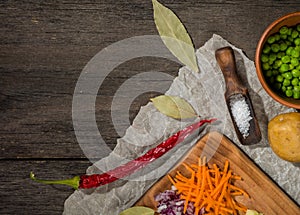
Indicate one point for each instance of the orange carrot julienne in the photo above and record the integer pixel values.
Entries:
(171, 179)
(235, 188)
(210, 188)
(188, 167)
(240, 207)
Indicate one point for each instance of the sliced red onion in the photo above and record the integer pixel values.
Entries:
(169, 203)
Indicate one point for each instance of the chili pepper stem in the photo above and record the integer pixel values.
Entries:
(72, 182)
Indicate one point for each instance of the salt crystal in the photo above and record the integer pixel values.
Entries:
(241, 113)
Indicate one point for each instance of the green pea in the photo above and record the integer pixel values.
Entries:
(295, 73)
(289, 50)
(283, 88)
(266, 49)
(286, 82)
(294, 61)
(289, 31)
(284, 67)
(294, 34)
(283, 46)
(280, 54)
(296, 94)
(275, 47)
(275, 72)
(266, 66)
(295, 81)
(264, 58)
(297, 88)
(283, 36)
(272, 57)
(283, 30)
(295, 53)
(285, 59)
(298, 27)
(271, 39)
(290, 38)
(297, 41)
(291, 67)
(274, 66)
(269, 73)
(279, 78)
(287, 75)
(278, 63)
(289, 88)
(288, 93)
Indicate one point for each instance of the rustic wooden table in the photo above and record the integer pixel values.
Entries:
(43, 49)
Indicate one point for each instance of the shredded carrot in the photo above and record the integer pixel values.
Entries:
(211, 188)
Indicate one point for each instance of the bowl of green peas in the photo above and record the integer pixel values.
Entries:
(277, 60)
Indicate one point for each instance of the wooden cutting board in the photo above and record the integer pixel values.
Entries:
(265, 195)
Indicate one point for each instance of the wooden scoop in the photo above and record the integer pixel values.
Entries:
(236, 91)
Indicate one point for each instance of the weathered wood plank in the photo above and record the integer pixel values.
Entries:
(20, 195)
(36, 113)
(44, 47)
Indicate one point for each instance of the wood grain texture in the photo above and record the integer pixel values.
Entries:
(20, 195)
(43, 48)
(265, 195)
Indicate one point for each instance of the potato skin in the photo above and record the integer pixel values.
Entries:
(284, 136)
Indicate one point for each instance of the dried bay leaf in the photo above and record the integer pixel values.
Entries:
(174, 35)
(174, 106)
(138, 210)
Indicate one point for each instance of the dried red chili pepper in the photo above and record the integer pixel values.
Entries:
(96, 180)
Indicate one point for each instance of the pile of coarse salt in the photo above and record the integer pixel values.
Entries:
(241, 113)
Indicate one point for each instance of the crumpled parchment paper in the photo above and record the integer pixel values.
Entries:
(205, 92)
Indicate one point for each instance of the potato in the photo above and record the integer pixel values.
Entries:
(284, 136)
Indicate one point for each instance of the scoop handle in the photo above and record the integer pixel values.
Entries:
(226, 60)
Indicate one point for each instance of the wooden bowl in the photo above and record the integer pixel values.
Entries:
(287, 20)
